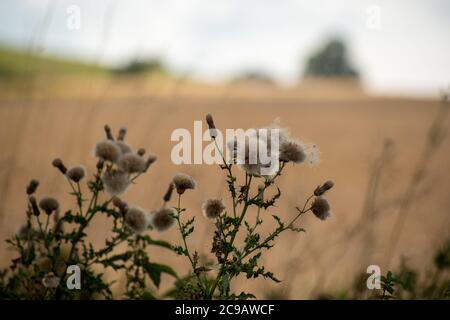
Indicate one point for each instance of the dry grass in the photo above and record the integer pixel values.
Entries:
(348, 126)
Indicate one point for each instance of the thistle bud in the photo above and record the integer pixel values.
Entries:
(34, 206)
(122, 133)
(168, 194)
(32, 186)
(100, 164)
(211, 125)
(151, 158)
(141, 152)
(57, 163)
(108, 132)
(121, 205)
(320, 190)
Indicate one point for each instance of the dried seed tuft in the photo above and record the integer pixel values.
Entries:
(213, 208)
(183, 182)
(49, 205)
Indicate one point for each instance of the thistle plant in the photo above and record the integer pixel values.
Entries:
(232, 258)
(53, 240)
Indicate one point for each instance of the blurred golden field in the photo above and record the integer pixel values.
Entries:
(65, 117)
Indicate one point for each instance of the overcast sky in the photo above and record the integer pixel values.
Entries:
(400, 46)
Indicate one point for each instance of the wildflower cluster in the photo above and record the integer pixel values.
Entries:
(233, 259)
(54, 239)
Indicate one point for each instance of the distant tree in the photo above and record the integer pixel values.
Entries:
(139, 67)
(329, 61)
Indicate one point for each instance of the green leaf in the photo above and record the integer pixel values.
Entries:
(154, 271)
(160, 243)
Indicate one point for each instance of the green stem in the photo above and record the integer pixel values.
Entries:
(186, 248)
(229, 176)
(233, 237)
(276, 233)
(182, 233)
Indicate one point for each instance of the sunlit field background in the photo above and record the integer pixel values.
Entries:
(372, 145)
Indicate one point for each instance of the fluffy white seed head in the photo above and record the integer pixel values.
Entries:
(76, 173)
(163, 218)
(248, 153)
(292, 151)
(125, 148)
(213, 208)
(131, 163)
(183, 182)
(49, 204)
(107, 150)
(115, 181)
(137, 219)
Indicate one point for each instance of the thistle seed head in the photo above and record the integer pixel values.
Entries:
(213, 208)
(57, 163)
(131, 163)
(76, 173)
(137, 219)
(248, 159)
(24, 232)
(115, 181)
(32, 186)
(163, 218)
(49, 205)
(321, 208)
(107, 150)
(125, 148)
(183, 182)
(292, 151)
